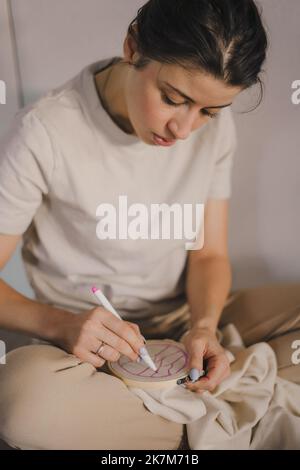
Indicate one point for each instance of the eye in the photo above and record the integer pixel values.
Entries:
(207, 113)
(168, 101)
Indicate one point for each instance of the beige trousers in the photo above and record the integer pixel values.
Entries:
(49, 399)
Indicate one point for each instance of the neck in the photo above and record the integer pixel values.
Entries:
(111, 89)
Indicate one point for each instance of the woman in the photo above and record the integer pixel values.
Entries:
(155, 126)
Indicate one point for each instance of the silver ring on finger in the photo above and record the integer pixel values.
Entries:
(100, 349)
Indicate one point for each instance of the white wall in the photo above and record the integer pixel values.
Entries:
(14, 272)
(56, 38)
(265, 222)
(7, 68)
(59, 37)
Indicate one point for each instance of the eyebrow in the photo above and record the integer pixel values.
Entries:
(192, 101)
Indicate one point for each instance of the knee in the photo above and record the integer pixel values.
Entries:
(42, 389)
(275, 296)
(19, 377)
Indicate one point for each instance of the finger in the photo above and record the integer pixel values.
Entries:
(216, 371)
(116, 342)
(109, 354)
(196, 362)
(94, 334)
(137, 330)
(99, 348)
(134, 326)
(123, 330)
(91, 358)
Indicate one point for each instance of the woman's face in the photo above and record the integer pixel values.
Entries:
(155, 108)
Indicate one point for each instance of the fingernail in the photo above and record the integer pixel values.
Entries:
(194, 374)
(144, 339)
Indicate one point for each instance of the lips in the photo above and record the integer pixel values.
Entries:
(162, 141)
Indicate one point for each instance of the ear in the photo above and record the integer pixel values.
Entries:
(130, 48)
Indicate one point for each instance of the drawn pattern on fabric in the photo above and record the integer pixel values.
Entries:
(169, 357)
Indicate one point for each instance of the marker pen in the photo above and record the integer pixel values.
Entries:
(187, 378)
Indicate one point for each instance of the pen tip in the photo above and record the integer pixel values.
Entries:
(94, 289)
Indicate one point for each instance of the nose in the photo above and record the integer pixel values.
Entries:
(183, 124)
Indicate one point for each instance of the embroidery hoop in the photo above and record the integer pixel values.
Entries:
(169, 356)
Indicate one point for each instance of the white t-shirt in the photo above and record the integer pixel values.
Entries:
(64, 156)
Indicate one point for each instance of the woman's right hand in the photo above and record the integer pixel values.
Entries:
(82, 334)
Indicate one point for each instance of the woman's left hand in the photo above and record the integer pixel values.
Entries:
(205, 351)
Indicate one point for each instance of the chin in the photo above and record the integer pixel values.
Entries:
(148, 142)
(144, 137)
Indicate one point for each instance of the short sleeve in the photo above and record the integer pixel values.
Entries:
(220, 185)
(26, 167)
